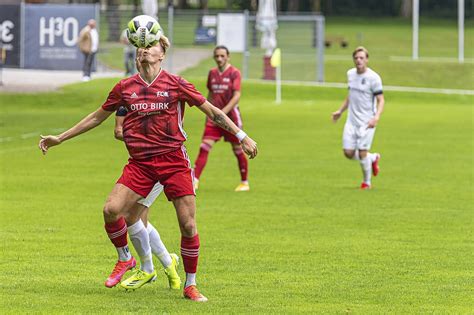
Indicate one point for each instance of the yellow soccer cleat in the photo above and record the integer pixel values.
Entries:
(172, 273)
(243, 187)
(138, 279)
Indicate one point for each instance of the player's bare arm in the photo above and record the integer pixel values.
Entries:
(209, 97)
(337, 114)
(232, 103)
(89, 122)
(222, 120)
(380, 105)
(118, 130)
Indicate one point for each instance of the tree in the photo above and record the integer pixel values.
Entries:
(316, 5)
(183, 4)
(203, 4)
(406, 8)
(293, 5)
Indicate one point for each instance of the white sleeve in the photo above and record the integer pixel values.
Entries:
(347, 77)
(376, 86)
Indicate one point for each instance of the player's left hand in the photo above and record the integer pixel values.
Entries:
(250, 147)
(372, 123)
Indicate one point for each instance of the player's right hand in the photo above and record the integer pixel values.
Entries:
(336, 115)
(250, 147)
(48, 141)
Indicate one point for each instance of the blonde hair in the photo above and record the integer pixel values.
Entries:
(164, 43)
(359, 49)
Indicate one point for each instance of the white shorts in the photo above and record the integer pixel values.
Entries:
(357, 138)
(154, 193)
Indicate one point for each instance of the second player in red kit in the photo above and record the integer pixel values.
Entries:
(223, 83)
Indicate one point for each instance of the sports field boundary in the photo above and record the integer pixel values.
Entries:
(395, 88)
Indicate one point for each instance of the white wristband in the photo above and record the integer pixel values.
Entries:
(241, 135)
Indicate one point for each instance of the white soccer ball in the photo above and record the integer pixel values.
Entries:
(143, 31)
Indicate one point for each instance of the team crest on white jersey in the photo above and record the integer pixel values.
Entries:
(134, 95)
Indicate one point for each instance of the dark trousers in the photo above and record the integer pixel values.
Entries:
(88, 61)
(129, 58)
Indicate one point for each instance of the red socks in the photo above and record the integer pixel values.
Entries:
(190, 253)
(201, 159)
(204, 153)
(117, 232)
(243, 163)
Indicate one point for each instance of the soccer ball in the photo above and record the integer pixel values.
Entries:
(143, 31)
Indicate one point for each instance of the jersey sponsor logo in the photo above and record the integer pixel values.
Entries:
(217, 87)
(161, 93)
(134, 95)
(149, 106)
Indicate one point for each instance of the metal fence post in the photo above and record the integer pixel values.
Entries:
(461, 31)
(246, 49)
(170, 36)
(320, 49)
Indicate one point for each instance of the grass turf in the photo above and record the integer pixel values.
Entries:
(386, 39)
(304, 239)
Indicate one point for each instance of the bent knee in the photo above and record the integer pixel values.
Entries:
(349, 154)
(188, 228)
(207, 144)
(111, 210)
(237, 149)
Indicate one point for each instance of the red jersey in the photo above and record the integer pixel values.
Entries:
(222, 86)
(154, 122)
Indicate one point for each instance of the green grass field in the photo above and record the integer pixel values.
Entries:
(386, 39)
(304, 239)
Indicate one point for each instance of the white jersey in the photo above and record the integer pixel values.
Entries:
(362, 91)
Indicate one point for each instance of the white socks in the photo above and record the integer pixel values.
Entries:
(141, 241)
(372, 156)
(157, 246)
(123, 253)
(366, 165)
(355, 157)
(190, 279)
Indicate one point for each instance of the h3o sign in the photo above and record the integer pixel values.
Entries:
(66, 29)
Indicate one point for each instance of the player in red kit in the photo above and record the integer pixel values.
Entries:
(154, 135)
(223, 84)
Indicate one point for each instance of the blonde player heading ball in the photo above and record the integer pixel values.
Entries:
(365, 102)
(153, 132)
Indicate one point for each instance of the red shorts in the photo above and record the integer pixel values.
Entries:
(214, 132)
(173, 170)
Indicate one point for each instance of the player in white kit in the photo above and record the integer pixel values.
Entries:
(365, 102)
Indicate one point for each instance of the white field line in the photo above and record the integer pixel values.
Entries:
(386, 87)
(6, 139)
(28, 135)
(398, 58)
(430, 59)
(17, 149)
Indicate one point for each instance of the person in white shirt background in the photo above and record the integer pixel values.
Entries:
(88, 44)
(365, 102)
